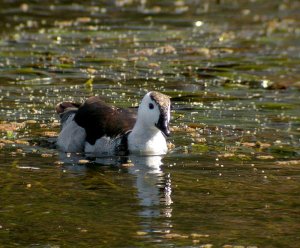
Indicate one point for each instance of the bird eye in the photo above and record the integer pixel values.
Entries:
(151, 106)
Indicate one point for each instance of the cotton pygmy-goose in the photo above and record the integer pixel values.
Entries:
(98, 128)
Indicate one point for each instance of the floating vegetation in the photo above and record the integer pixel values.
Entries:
(284, 151)
(167, 49)
(289, 162)
(231, 69)
(89, 83)
(275, 105)
(199, 148)
(202, 97)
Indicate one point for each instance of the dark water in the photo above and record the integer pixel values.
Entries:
(232, 70)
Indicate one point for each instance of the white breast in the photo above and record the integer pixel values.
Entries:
(141, 144)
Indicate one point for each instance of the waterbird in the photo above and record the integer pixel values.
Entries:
(97, 128)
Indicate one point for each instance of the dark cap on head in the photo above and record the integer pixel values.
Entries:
(163, 102)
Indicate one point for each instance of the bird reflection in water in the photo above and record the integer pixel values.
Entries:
(154, 191)
(154, 188)
(153, 185)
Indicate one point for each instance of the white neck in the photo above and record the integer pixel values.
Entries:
(146, 140)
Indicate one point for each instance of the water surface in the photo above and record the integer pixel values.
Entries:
(232, 176)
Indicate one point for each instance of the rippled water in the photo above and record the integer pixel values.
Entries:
(232, 70)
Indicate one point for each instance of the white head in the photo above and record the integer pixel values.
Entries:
(154, 112)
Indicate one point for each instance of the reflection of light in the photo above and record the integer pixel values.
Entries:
(154, 191)
(168, 212)
(154, 187)
(265, 83)
(168, 191)
(199, 23)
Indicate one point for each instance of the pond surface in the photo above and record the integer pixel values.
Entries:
(232, 177)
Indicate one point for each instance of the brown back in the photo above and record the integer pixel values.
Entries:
(100, 119)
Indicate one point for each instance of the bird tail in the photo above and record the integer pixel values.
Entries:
(66, 106)
(66, 109)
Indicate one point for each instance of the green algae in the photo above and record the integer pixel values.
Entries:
(275, 105)
(217, 186)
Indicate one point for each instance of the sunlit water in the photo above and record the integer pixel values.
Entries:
(232, 177)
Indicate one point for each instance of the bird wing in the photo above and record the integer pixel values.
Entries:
(101, 119)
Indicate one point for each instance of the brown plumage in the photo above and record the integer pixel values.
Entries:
(64, 106)
(162, 100)
(101, 119)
